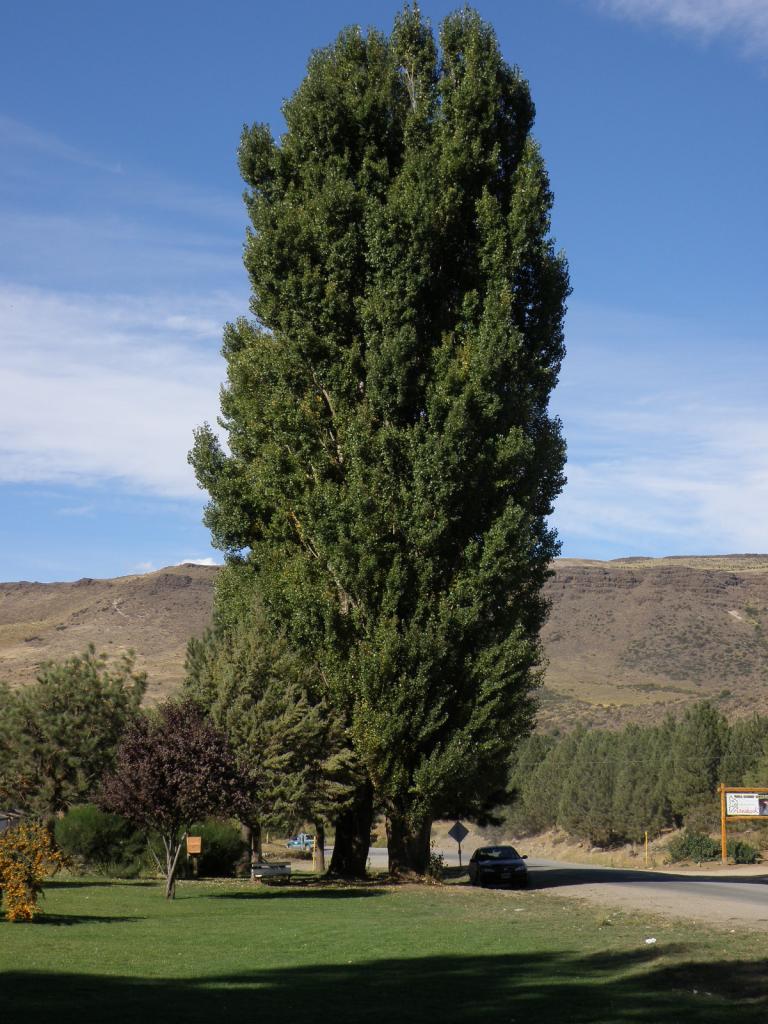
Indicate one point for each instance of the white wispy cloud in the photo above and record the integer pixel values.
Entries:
(107, 388)
(198, 561)
(667, 431)
(142, 568)
(77, 220)
(698, 491)
(76, 511)
(18, 135)
(746, 20)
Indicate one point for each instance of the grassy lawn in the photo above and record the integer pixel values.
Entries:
(112, 952)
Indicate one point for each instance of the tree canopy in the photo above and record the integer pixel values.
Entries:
(296, 761)
(173, 767)
(391, 460)
(59, 735)
(612, 787)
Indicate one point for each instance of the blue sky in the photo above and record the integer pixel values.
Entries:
(122, 225)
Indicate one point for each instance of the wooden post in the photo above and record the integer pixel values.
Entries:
(646, 848)
(723, 836)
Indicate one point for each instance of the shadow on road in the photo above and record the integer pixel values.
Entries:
(554, 877)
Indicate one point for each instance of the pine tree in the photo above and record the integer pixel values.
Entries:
(297, 764)
(587, 794)
(60, 734)
(743, 752)
(527, 759)
(542, 793)
(392, 461)
(638, 803)
(699, 744)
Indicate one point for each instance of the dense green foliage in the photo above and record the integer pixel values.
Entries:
(741, 852)
(59, 735)
(99, 841)
(222, 848)
(611, 787)
(695, 846)
(391, 458)
(296, 764)
(699, 847)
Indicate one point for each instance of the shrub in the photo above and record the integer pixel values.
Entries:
(743, 853)
(222, 848)
(698, 847)
(695, 846)
(436, 865)
(104, 842)
(27, 858)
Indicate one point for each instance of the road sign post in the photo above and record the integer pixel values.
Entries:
(458, 833)
(194, 849)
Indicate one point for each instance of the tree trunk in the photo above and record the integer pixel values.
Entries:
(319, 848)
(353, 837)
(246, 837)
(408, 847)
(172, 854)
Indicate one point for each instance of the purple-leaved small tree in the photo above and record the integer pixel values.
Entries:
(172, 768)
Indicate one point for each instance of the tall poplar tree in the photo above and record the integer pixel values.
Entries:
(391, 458)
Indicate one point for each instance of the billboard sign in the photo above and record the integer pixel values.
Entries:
(746, 805)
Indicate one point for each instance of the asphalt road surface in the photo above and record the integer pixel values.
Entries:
(732, 895)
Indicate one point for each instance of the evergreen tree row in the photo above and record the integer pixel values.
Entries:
(612, 786)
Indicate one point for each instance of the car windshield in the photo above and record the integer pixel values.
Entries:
(498, 853)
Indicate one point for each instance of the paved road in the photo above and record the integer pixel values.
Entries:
(733, 895)
(728, 896)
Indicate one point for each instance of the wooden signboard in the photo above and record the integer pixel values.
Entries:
(740, 804)
(194, 846)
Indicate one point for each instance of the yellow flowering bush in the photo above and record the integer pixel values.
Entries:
(27, 858)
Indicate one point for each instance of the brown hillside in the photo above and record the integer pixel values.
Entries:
(629, 639)
(626, 640)
(154, 614)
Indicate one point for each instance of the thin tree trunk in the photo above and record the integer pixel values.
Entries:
(319, 848)
(353, 837)
(246, 835)
(172, 854)
(408, 846)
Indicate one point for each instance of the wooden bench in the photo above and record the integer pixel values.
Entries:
(262, 869)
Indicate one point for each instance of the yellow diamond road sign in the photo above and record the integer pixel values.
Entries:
(458, 832)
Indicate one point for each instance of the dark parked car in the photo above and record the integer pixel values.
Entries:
(501, 865)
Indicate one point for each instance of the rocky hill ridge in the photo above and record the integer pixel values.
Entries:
(626, 640)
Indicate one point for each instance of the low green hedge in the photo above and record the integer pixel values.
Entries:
(98, 841)
(223, 848)
(699, 847)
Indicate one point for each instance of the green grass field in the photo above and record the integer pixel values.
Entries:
(112, 952)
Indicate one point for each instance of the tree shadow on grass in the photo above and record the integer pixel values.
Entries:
(297, 892)
(95, 883)
(637, 987)
(59, 920)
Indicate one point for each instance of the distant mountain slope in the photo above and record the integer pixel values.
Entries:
(154, 614)
(633, 637)
(626, 640)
